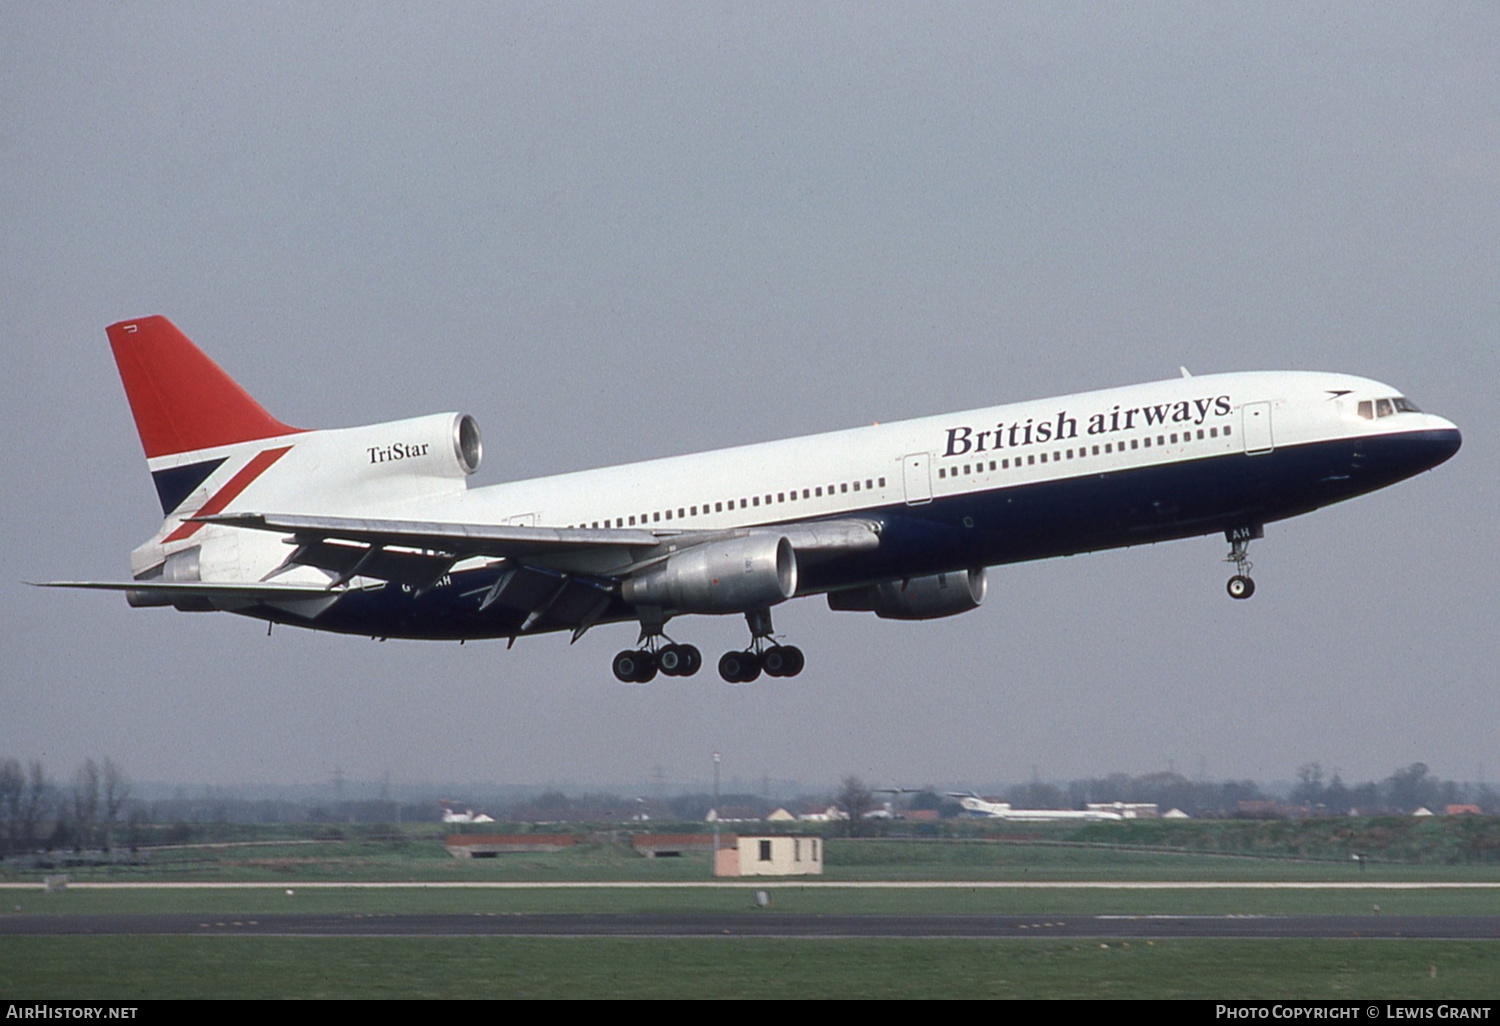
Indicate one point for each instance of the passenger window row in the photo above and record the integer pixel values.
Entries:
(1084, 451)
(869, 484)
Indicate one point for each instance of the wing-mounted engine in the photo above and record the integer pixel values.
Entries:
(726, 575)
(916, 598)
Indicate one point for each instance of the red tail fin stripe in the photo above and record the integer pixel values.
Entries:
(257, 466)
(183, 401)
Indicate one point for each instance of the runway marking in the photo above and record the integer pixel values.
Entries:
(783, 884)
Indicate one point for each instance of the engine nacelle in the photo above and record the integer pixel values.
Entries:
(916, 598)
(727, 576)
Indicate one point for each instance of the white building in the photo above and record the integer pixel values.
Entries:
(776, 855)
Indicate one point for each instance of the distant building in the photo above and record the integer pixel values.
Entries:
(488, 846)
(770, 856)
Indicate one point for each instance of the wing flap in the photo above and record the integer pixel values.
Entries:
(498, 540)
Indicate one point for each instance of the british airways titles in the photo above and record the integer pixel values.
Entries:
(1194, 412)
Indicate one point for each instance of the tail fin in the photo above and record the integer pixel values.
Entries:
(183, 401)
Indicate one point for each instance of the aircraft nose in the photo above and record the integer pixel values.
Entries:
(1444, 440)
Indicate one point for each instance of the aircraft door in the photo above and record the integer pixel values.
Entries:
(917, 474)
(1255, 428)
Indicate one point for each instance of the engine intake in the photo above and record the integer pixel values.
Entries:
(728, 576)
(916, 598)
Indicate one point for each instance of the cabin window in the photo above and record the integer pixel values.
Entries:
(669, 514)
(780, 497)
(1226, 430)
(856, 486)
(1031, 461)
(844, 488)
(869, 484)
(806, 493)
(1383, 408)
(882, 480)
(1044, 457)
(632, 521)
(656, 517)
(1135, 443)
(755, 501)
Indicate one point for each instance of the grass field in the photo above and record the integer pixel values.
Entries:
(733, 898)
(237, 967)
(163, 967)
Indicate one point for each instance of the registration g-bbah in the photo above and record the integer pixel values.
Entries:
(374, 530)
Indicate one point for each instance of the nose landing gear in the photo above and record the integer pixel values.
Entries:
(1241, 585)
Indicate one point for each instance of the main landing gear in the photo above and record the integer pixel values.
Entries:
(641, 665)
(1241, 585)
(763, 654)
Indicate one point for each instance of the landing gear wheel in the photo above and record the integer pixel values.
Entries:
(679, 660)
(783, 660)
(739, 667)
(634, 667)
(1241, 587)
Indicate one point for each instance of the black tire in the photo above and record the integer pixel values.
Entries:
(795, 660)
(672, 661)
(1240, 587)
(739, 667)
(776, 662)
(626, 665)
(693, 662)
(634, 667)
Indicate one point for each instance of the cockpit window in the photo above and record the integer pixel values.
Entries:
(1369, 409)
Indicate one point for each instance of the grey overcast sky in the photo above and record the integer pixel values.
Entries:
(620, 231)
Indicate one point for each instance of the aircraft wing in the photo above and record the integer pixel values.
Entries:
(499, 540)
(264, 590)
(420, 552)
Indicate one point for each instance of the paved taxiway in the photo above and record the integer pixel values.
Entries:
(761, 924)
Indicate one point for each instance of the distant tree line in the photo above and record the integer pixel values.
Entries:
(1406, 790)
(97, 809)
(35, 812)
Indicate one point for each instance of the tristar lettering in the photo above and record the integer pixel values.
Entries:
(399, 451)
(964, 440)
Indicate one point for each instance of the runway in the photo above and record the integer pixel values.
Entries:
(766, 924)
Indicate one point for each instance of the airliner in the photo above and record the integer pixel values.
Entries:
(975, 807)
(374, 531)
